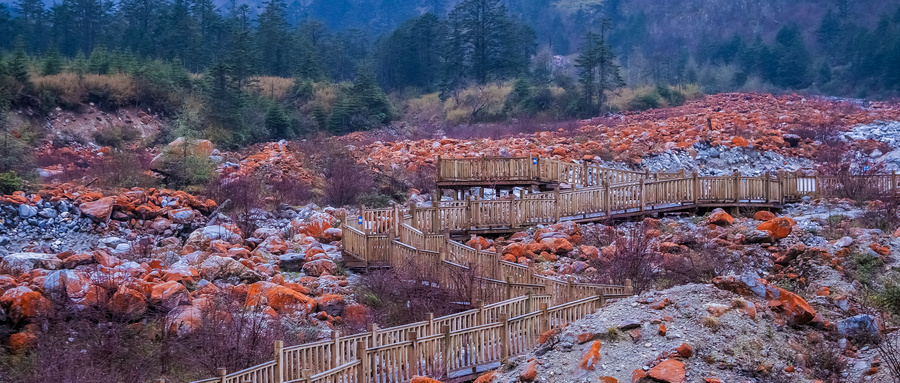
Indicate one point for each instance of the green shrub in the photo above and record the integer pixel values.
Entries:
(116, 135)
(10, 182)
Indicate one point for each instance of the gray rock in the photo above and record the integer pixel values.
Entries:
(858, 326)
(844, 242)
(27, 211)
(21, 263)
(291, 261)
(758, 236)
(48, 213)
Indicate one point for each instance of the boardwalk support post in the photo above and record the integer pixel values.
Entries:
(629, 289)
(412, 355)
(221, 373)
(335, 348)
(279, 361)
(446, 352)
(545, 317)
(504, 338)
(600, 296)
(363, 369)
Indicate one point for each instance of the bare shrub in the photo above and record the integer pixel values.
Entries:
(632, 256)
(345, 181)
(825, 361)
(290, 191)
(244, 193)
(889, 350)
(403, 295)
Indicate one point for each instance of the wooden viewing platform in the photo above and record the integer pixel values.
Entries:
(512, 305)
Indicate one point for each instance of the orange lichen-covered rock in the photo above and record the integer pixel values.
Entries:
(423, 379)
(798, 310)
(169, 294)
(280, 298)
(669, 370)
(591, 357)
(515, 249)
(479, 241)
(128, 303)
(486, 378)
(720, 217)
(530, 373)
(589, 252)
(637, 375)
(607, 379)
(21, 342)
(764, 215)
(685, 350)
(23, 303)
(547, 335)
(558, 245)
(779, 227)
(99, 210)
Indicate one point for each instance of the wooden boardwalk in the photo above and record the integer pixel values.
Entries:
(512, 305)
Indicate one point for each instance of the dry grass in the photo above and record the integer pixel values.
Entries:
(711, 323)
(71, 90)
(275, 88)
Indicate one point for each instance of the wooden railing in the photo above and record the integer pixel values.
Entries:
(489, 170)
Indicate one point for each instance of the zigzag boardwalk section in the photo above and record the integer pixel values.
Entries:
(511, 305)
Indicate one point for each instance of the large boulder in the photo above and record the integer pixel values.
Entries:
(128, 303)
(99, 210)
(23, 304)
(669, 370)
(860, 326)
(558, 245)
(216, 267)
(282, 299)
(21, 263)
(720, 217)
(169, 294)
(184, 319)
(319, 267)
(73, 286)
(332, 304)
(796, 309)
(291, 261)
(780, 227)
(202, 237)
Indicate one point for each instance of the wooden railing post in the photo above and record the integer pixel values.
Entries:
(221, 373)
(696, 187)
(570, 289)
(816, 187)
(504, 338)
(512, 210)
(429, 317)
(479, 316)
(643, 194)
(436, 213)
(335, 348)
(601, 296)
(737, 186)
(373, 333)
(528, 302)
(470, 213)
(498, 274)
(586, 171)
(607, 195)
(412, 355)
(446, 351)
(305, 375)
(768, 180)
(412, 211)
(629, 289)
(279, 361)
(556, 204)
(439, 178)
(545, 317)
(509, 288)
(362, 372)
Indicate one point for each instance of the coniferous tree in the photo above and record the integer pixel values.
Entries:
(143, 26)
(31, 24)
(599, 71)
(491, 42)
(6, 26)
(273, 39)
(210, 34)
(793, 59)
(18, 64)
(241, 53)
(53, 63)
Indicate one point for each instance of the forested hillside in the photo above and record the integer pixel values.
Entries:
(340, 66)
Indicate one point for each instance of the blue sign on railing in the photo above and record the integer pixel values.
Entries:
(534, 161)
(865, 169)
(360, 220)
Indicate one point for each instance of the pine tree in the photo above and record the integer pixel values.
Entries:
(277, 123)
(53, 63)
(6, 26)
(793, 60)
(18, 64)
(492, 44)
(599, 71)
(241, 53)
(99, 62)
(210, 34)
(31, 23)
(273, 39)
